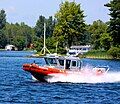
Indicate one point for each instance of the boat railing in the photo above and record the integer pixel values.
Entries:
(104, 69)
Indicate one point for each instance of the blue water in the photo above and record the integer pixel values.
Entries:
(17, 86)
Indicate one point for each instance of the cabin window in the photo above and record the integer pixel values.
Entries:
(54, 61)
(79, 64)
(68, 64)
(50, 61)
(72, 53)
(61, 62)
(84, 48)
(74, 63)
(46, 61)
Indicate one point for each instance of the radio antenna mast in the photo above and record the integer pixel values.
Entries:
(44, 49)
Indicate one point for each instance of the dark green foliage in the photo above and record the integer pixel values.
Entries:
(50, 24)
(114, 52)
(96, 30)
(19, 35)
(39, 28)
(70, 26)
(3, 39)
(19, 42)
(105, 41)
(2, 19)
(100, 54)
(38, 43)
(2, 29)
(51, 44)
(96, 53)
(39, 32)
(114, 24)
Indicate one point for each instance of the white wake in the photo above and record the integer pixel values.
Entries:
(109, 77)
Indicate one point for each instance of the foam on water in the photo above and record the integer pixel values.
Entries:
(109, 77)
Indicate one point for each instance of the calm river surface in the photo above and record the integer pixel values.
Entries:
(17, 86)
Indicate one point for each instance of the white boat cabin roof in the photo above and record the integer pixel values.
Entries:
(62, 57)
(82, 46)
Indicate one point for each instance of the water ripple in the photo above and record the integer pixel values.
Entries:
(17, 86)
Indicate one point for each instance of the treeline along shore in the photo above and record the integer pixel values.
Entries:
(66, 28)
(98, 54)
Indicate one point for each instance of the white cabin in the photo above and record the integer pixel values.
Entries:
(63, 62)
(75, 50)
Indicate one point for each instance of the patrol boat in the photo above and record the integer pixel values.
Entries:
(64, 65)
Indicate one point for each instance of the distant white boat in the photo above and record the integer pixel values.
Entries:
(76, 50)
(10, 48)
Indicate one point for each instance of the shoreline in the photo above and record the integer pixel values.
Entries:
(98, 54)
(101, 58)
(84, 56)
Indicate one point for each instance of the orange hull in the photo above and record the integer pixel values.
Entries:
(40, 73)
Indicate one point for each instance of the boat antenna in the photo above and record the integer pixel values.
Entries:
(44, 49)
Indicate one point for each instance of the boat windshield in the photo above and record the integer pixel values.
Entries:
(61, 62)
(51, 61)
(69, 63)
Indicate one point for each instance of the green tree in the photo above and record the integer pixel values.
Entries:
(114, 52)
(51, 44)
(38, 43)
(87, 36)
(39, 31)
(19, 42)
(49, 26)
(70, 24)
(39, 28)
(114, 24)
(2, 28)
(2, 19)
(96, 30)
(3, 40)
(19, 35)
(28, 33)
(105, 41)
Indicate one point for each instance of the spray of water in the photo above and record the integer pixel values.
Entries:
(109, 77)
(78, 78)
